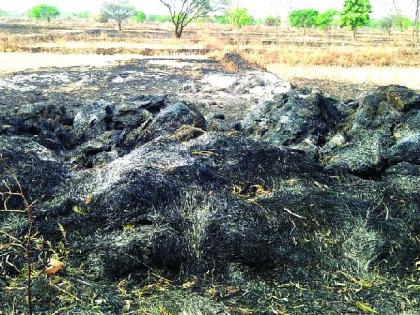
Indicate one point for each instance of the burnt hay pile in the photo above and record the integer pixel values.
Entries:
(306, 206)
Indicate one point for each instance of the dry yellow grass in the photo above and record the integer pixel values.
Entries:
(407, 76)
(374, 57)
(257, 44)
(334, 56)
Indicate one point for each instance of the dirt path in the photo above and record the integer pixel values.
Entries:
(12, 62)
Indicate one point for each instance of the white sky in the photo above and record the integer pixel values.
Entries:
(258, 8)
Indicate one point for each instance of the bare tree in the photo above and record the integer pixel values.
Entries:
(183, 12)
(119, 11)
(281, 8)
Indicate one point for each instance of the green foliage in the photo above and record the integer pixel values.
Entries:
(402, 22)
(304, 18)
(356, 13)
(139, 16)
(374, 24)
(158, 18)
(240, 17)
(44, 12)
(82, 15)
(272, 21)
(222, 19)
(326, 19)
(3, 13)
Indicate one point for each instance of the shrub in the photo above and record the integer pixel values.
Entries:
(273, 21)
(139, 16)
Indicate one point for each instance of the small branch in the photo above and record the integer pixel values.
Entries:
(294, 214)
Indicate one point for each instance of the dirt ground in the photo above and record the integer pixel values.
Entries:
(340, 85)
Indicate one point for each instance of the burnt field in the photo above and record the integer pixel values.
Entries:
(173, 186)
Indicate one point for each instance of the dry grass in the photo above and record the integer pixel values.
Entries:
(334, 56)
(375, 57)
(406, 76)
(258, 44)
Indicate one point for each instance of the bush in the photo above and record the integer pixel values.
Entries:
(44, 12)
(273, 21)
(304, 18)
(139, 16)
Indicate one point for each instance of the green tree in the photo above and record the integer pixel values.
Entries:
(272, 21)
(304, 18)
(183, 12)
(119, 11)
(139, 16)
(44, 12)
(325, 20)
(239, 17)
(355, 14)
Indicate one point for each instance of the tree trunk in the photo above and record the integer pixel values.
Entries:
(178, 31)
(120, 26)
(354, 33)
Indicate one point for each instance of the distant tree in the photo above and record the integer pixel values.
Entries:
(158, 18)
(222, 19)
(82, 15)
(119, 11)
(183, 12)
(44, 12)
(325, 20)
(3, 13)
(272, 21)
(101, 18)
(139, 16)
(304, 18)
(281, 7)
(239, 17)
(355, 14)
(402, 22)
(387, 23)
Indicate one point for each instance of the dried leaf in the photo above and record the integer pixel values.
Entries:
(54, 266)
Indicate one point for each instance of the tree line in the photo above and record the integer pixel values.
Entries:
(354, 15)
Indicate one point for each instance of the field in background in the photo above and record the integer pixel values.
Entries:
(375, 56)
